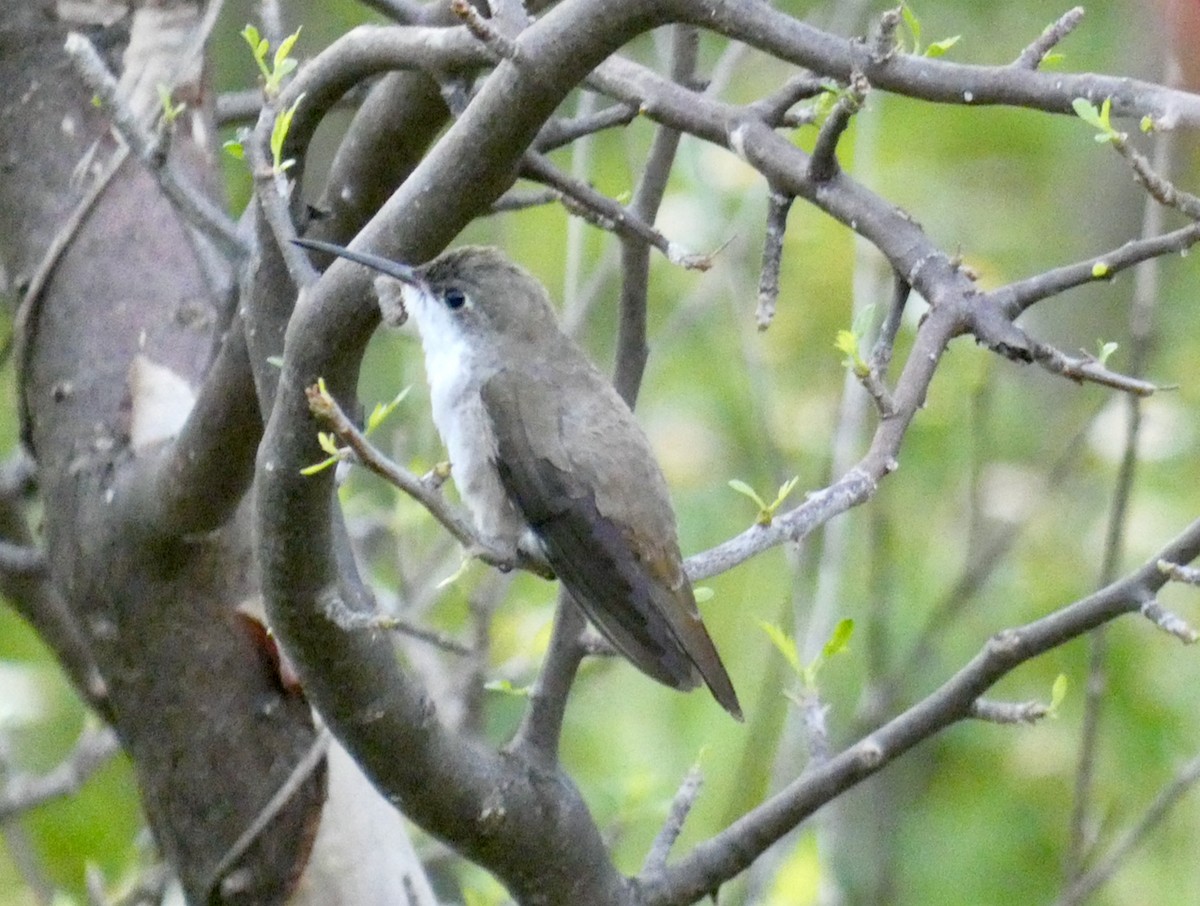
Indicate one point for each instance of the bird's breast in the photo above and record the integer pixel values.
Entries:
(458, 415)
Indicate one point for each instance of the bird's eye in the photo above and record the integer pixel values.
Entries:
(454, 298)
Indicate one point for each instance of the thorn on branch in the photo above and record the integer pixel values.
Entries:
(500, 45)
(1008, 712)
(823, 165)
(1177, 572)
(1033, 55)
(778, 205)
(1169, 622)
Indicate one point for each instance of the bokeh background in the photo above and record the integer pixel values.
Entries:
(997, 515)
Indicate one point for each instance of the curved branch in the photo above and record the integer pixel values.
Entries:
(725, 855)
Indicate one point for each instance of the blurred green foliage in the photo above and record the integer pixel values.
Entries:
(980, 814)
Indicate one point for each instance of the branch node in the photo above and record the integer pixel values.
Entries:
(1008, 712)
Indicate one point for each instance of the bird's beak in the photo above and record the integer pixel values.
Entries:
(401, 272)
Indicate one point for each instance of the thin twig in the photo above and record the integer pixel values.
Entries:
(1087, 368)
(1169, 622)
(1179, 573)
(541, 727)
(601, 211)
(1087, 884)
(778, 205)
(190, 202)
(1014, 298)
(681, 807)
(22, 792)
(299, 775)
(273, 193)
(327, 409)
(558, 133)
(497, 43)
(823, 165)
(1033, 55)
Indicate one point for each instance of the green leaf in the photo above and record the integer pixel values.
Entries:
(235, 149)
(784, 643)
(840, 638)
(320, 466)
(846, 343)
(1086, 111)
(1058, 692)
(703, 594)
(1147, 124)
(742, 488)
(939, 48)
(1053, 59)
(328, 443)
(383, 410)
(507, 688)
(863, 321)
(1106, 350)
(1100, 270)
(283, 122)
(285, 48)
(913, 24)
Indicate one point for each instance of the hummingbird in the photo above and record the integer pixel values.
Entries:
(545, 453)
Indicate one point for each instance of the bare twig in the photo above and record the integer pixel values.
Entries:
(559, 132)
(192, 204)
(302, 770)
(778, 205)
(520, 201)
(601, 211)
(541, 728)
(1169, 623)
(1033, 55)
(885, 343)
(823, 165)
(1179, 573)
(92, 751)
(1086, 884)
(1016, 297)
(497, 43)
(1088, 368)
(681, 807)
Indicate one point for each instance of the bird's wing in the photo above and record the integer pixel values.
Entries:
(645, 608)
